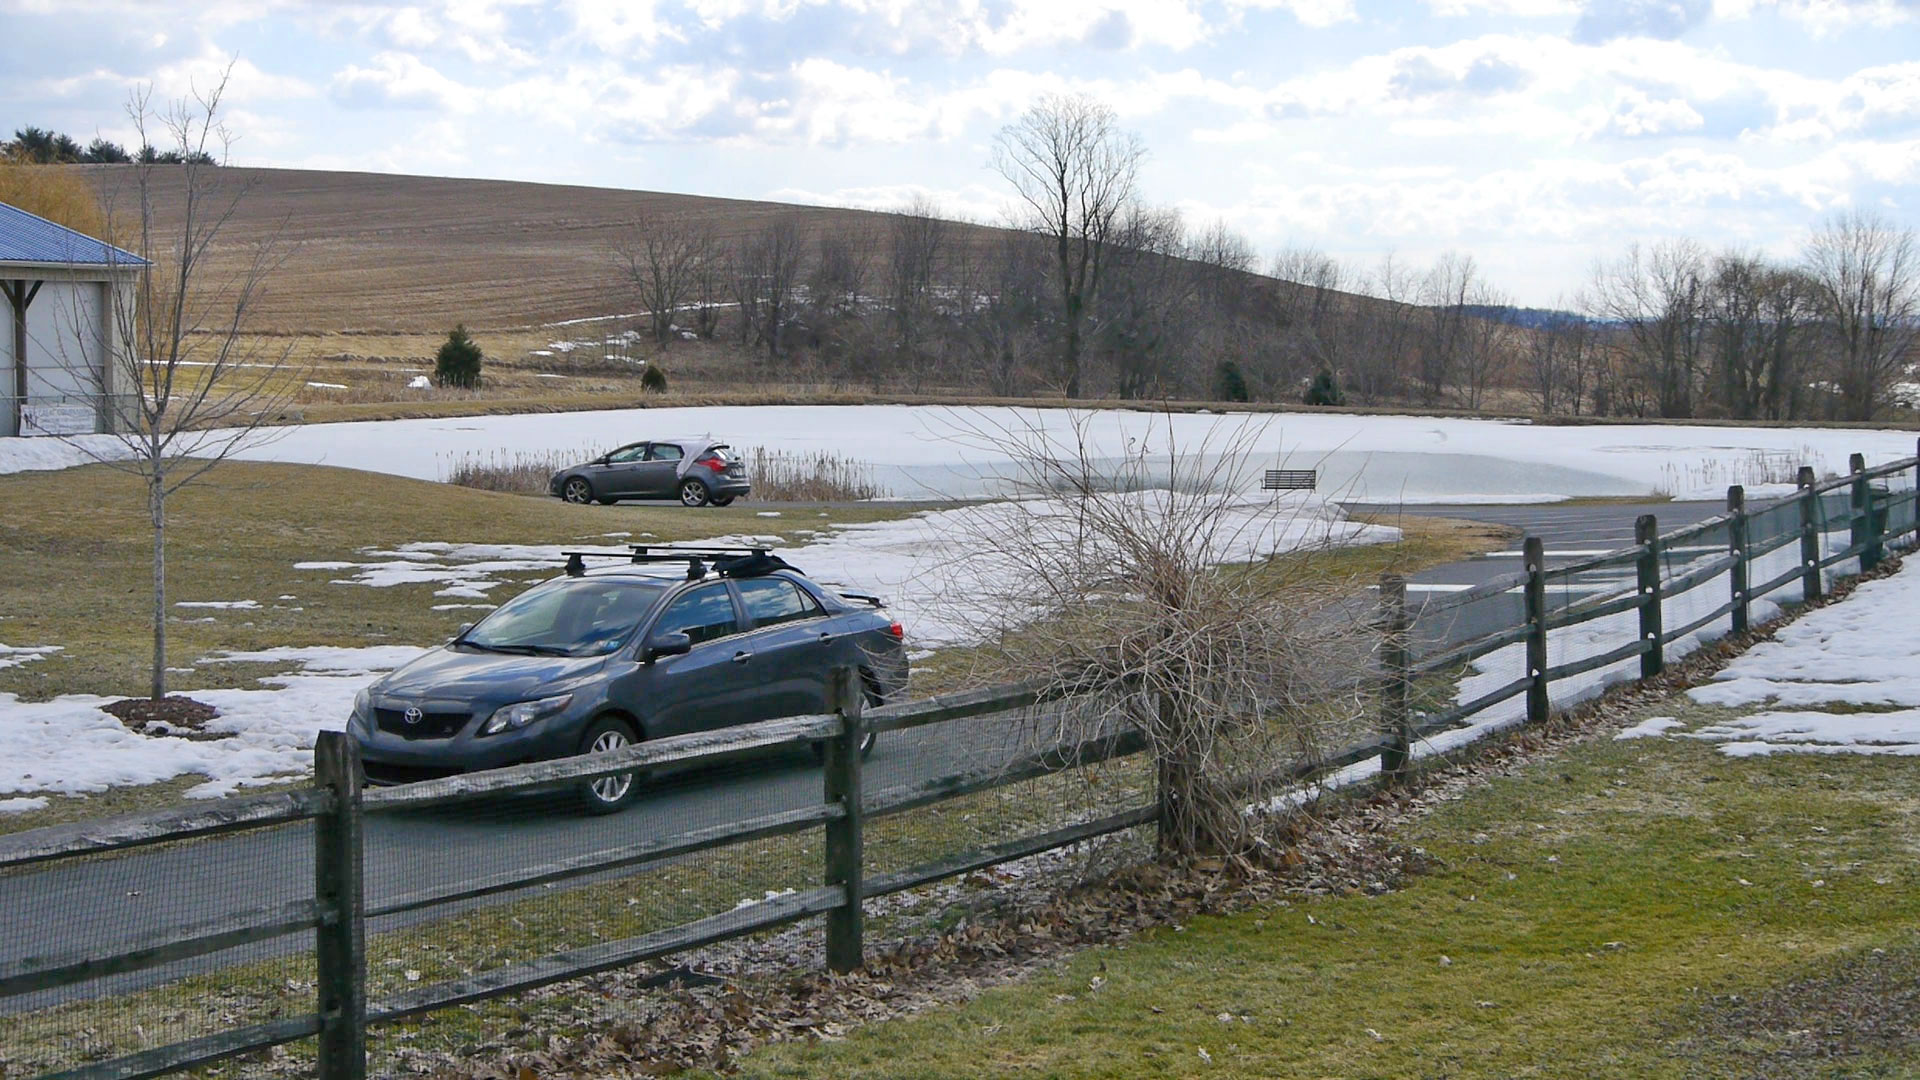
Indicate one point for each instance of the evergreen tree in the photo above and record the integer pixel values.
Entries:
(654, 379)
(1325, 390)
(1228, 383)
(458, 363)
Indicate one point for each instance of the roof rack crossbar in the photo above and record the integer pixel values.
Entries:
(730, 561)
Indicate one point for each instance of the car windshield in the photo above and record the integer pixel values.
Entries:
(576, 617)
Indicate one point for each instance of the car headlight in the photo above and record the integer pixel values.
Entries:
(520, 714)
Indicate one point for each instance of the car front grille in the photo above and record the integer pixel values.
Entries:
(433, 723)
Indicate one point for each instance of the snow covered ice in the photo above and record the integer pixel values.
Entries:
(926, 451)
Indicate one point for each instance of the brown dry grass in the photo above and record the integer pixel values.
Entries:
(418, 254)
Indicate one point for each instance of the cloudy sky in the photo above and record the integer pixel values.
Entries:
(1533, 135)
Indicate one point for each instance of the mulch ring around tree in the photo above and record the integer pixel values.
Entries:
(173, 715)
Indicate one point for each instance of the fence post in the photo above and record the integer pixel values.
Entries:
(845, 924)
(1737, 547)
(1395, 718)
(1860, 512)
(1646, 533)
(340, 941)
(1536, 563)
(1809, 537)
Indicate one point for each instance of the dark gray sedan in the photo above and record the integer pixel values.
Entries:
(697, 471)
(598, 659)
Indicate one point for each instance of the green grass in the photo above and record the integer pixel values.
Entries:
(547, 921)
(1595, 914)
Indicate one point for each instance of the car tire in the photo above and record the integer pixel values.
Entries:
(609, 794)
(866, 744)
(693, 493)
(724, 500)
(577, 491)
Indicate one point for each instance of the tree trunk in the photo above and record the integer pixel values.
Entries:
(157, 508)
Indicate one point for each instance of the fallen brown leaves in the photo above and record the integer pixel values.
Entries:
(1018, 923)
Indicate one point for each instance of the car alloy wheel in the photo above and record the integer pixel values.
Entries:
(608, 794)
(578, 491)
(693, 493)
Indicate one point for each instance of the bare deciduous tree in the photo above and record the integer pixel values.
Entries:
(1446, 291)
(1867, 276)
(1140, 587)
(663, 258)
(1074, 171)
(1145, 309)
(764, 273)
(919, 241)
(1558, 358)
(1655, 296)
(204, 388)
(999, 307)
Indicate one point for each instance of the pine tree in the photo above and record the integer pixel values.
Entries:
(1229, 384)
(1325, 390)
(458, 363)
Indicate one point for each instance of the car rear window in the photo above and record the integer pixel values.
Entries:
(577, 617)
(774, 600)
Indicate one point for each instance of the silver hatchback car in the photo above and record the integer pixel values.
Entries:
(698, 471)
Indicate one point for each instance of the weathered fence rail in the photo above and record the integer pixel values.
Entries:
(338, 912)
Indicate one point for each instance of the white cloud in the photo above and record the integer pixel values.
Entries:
(1634, 113)
(1825, 17)
(400, 80)
(1311, 13)
(1521, 8)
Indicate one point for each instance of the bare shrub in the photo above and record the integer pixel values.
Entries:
(1144, 590)
(521, 472)
(818, 476)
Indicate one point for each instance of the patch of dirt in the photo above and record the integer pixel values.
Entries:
(1868, 1003)
(173, 715)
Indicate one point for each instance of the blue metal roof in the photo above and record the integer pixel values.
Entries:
(30, 238)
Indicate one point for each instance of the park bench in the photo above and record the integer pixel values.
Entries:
(1290, 480)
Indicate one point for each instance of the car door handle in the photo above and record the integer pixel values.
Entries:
(824, 638)
(742, 656)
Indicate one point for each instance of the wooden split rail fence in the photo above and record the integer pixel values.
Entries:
(338, 912)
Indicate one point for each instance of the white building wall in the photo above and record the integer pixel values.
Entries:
(72, 374)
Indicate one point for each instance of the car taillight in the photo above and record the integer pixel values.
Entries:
(898, 632)
(714, 462)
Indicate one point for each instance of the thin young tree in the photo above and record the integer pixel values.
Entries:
(201, 387)
(1074, 172)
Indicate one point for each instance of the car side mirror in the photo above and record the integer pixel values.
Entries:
(672, 643)
(462, 632)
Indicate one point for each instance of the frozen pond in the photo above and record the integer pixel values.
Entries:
(932, 451)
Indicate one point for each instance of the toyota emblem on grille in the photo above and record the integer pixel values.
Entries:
(412, 715)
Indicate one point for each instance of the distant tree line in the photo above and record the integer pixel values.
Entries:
(1091, 292)
(39, 146)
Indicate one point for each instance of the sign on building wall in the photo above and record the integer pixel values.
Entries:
(57, 420)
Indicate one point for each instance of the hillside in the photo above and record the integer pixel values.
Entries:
(415, 254)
